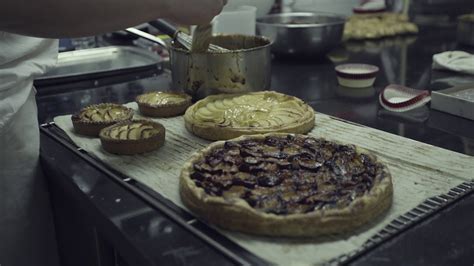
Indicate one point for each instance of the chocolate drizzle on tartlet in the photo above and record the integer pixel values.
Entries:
(132, 131)
(133, 137)
(287, 174)
(91, 119)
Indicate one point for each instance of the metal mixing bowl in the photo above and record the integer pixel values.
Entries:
(302, 34)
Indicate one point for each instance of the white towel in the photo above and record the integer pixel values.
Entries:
(458, 61)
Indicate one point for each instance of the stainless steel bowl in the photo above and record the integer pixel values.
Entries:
(302, 34)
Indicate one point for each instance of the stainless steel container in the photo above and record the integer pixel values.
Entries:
(302, 33)
(465, 32)
(247, 67)
(456, 100)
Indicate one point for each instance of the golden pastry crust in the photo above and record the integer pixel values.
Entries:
(163, 104)
(91, 119)
(378, 25)
(133, 137)
(227, 116)
(237, 214)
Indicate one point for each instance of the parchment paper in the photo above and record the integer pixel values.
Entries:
(418, 170)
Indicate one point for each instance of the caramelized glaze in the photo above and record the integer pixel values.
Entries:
(286, 175)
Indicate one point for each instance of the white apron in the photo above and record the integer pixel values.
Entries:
(26, 229)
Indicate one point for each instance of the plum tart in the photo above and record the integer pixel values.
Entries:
(286, 185)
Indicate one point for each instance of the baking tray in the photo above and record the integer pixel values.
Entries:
(234, 252)
(408, 220)
(100, 62)
(458, 100)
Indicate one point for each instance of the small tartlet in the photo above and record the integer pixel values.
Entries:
(132, 137)
(163, 104)
(92, 119)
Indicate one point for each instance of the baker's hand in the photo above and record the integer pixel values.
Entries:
(189, 12)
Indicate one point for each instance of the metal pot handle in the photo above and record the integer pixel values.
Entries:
(147, 36)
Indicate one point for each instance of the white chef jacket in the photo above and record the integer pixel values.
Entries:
(26, 227)
(21, 60)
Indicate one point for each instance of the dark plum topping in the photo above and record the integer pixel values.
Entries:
(231, 144)
(275, 141)
(198, 176)
(275, 154)
(269, 181)
(250, 153)
(310, 165)
(251, 160)
(287, 174)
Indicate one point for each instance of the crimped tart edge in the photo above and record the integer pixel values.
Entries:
(215, 132)
(240, 216)
(130, 147)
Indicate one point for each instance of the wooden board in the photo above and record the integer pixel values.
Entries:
(419, 171)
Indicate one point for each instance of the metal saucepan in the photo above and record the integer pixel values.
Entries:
(302, 33)
(247, 67)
